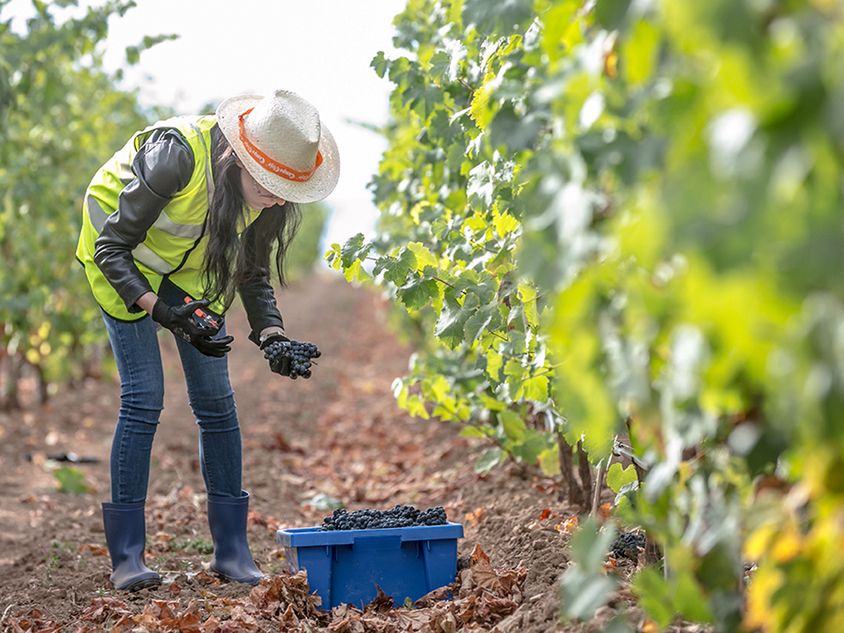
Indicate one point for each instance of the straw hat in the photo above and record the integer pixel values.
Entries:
(282, 143)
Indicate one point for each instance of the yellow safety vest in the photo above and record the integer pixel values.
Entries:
(175, 244)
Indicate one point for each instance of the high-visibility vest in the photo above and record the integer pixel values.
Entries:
(175, 244)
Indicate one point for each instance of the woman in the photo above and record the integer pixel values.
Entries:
(186, 214)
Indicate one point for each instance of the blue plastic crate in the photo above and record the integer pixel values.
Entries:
(348, 566)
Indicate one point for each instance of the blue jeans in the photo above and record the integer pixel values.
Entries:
(135, 347)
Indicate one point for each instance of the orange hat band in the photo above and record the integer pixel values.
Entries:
(273, 166)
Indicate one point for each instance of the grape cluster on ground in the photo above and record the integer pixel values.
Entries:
(628, 545)
(399, 516)
(299, 354)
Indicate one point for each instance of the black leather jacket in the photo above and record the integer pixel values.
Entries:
(163, 166)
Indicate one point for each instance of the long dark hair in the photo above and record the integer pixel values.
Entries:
(227, 263)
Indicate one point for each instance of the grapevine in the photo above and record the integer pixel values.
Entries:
(607, 221)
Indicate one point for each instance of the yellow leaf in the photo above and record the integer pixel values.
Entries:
(527, 294)
(611, 64)
(479, 109)
(759, 613)
(649, 626)
(786, 546)
(535, 388)
(504, 223)
(416, 407)
(493, 364)
(424, 257)
(401, 397)
(476, 222)
(561, 29)
(417, 209)
(440, 388)
(639, 52)
(758, 542)
(354, 272)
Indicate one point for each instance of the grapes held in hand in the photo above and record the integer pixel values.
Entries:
(398, 516)
(297, 355)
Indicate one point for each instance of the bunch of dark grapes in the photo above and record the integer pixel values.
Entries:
(627, 544)
(299, 353)
(399, 516)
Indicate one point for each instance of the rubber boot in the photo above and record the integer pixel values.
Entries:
(125, 533)
(232, 558)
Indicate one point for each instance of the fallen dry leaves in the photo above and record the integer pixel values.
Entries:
(282, 601)
(568, 526)
(474, 517)
(285, 595)
(93, 548)
(480, 598)
(34, 620)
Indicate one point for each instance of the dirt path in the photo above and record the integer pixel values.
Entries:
(338, 434)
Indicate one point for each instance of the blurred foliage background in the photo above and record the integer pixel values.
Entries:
(615, 227)
(61, 116)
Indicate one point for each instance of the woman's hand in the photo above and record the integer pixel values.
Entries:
(288, 357)
(279, 364)
(181, 322)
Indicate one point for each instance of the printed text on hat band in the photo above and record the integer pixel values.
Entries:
(273, 166)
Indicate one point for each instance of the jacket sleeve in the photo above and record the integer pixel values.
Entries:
(256, 293)
(162, 166)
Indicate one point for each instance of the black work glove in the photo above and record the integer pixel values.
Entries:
(184, 324)
(279, 363)
(290, 358)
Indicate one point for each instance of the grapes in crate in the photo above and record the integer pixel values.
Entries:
(299, 355)
(397, 517)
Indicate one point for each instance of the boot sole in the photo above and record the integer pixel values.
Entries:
(147, 583)
(225, 578)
